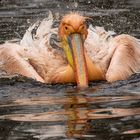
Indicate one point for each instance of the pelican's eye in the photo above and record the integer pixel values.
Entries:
(66, 28)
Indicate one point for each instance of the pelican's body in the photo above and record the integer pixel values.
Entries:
(106, 57)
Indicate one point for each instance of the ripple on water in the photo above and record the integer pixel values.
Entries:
(72, 115)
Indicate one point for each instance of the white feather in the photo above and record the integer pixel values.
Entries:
(43, 31)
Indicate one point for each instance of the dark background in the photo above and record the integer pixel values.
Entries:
(122, 16)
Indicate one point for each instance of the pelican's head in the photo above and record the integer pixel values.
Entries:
(73, 32)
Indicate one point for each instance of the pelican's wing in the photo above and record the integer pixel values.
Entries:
(43, 48)
(98, 47)
(38, 32)
(126, 58)
(118, 57)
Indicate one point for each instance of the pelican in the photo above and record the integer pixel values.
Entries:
(77, 54)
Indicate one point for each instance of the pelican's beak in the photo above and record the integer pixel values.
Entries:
(77, 59)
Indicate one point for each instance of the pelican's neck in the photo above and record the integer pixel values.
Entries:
(94, 71)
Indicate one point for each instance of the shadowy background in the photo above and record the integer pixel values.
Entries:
(122, 16)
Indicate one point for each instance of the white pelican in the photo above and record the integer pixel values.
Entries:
(82, 55)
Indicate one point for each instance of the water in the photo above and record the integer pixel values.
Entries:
(33, 111)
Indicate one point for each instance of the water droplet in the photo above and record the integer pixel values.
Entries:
(75, 4)
(28, 21)
(58, 5)
(89, 2)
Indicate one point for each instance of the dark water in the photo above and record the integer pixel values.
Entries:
(33, 111)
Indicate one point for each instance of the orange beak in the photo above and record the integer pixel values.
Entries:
(76, 44)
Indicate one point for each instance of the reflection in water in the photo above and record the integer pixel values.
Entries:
(68, 100)
(73, 114)
(72, 118)
(132, 131)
